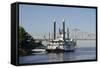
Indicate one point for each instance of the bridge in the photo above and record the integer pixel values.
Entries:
(52, 39)
(73, 33)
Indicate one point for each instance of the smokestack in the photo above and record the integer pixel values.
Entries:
(68, 33)
(49, 36)
(63, 29)
(54, 29)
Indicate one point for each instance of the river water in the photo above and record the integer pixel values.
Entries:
(85, 50)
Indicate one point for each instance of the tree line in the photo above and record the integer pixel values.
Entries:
(27, 42)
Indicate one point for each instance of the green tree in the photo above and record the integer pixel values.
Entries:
(27, 42)
(22, 35)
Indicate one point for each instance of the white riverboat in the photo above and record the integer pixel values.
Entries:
(61, 43)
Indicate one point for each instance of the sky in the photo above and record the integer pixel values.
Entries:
(37, 19)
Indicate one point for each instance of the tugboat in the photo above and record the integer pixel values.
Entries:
(61, 43)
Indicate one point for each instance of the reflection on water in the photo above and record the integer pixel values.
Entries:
(81, 53)
(54, 57)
